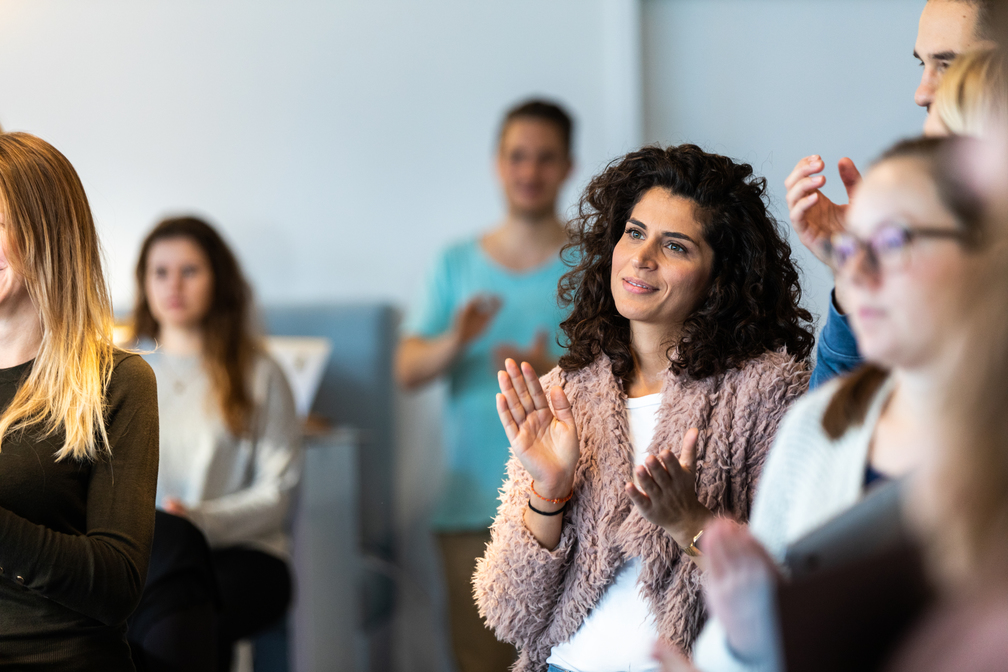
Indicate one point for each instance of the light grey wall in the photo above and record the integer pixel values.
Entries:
(771, 81)
(338, 144)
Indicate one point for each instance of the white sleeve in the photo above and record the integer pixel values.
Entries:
(711, 653)
(262, 507)
(769, 524)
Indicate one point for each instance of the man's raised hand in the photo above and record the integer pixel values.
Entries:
(814, 217)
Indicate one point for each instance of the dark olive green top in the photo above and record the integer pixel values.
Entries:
(75, 536)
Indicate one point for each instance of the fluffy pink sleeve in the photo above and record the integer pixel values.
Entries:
(518, 582)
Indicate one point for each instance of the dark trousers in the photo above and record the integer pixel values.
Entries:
(175, 625)
(197, 603)
(255, 591)
(476, 647)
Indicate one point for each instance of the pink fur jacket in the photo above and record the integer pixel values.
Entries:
(537, 598)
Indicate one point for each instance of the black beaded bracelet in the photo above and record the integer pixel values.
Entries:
(548, 513)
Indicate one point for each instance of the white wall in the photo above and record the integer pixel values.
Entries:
(337, 144)
(771, 81)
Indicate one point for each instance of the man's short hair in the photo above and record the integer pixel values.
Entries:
(543, 110)
(985, 22)
(985, 19)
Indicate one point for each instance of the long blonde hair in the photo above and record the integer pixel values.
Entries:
(970, 479)
(972, 93)
(51, 241)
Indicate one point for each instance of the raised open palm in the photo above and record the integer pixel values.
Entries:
(546, 444)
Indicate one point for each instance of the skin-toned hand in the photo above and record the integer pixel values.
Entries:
(474, 317)
(665, 493)
(176, 507)
(546, 444)
(740, 588)
(814, 217)
(671, 658)
(537, 355)
(418, 360)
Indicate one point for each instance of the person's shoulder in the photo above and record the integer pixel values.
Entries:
(595, 380)
(130, 364)
(772, 370)
(458, 259)
(462, 250)
(775, 362)
(806, 414)
(268, 372)
(130, 371)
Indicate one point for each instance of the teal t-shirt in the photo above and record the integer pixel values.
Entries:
(476, 448)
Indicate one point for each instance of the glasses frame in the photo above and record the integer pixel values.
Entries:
(910, 234)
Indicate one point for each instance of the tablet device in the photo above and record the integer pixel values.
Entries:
(857, 585)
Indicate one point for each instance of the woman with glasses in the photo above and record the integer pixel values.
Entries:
(911, 236)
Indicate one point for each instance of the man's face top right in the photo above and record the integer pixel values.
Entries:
(947, 28)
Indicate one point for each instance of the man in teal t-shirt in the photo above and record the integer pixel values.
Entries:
(487, 299)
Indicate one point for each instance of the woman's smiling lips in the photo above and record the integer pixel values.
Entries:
(635, 286)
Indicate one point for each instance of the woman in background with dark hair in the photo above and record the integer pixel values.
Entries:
(229, 437)
(684, 329)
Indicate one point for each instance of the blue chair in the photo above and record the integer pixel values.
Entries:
(357, 391)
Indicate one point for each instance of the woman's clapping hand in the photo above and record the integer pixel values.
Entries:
(546, 444)
(739, 590)
(665, 492)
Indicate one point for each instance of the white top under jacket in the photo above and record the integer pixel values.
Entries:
(238, 489)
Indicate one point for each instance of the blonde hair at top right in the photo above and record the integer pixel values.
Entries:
(972, 94)
(50, 239)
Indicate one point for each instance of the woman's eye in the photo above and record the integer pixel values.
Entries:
(635, 234)
(676, 247)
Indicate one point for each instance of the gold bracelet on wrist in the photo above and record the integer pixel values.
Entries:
(692, 550)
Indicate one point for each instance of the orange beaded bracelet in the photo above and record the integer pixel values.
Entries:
(562, 500)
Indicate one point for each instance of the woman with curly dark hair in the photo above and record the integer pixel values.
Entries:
(684, 330)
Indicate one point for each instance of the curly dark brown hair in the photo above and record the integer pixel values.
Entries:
(752, 305)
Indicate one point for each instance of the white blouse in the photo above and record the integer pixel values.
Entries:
(238, 489)
(620, 632)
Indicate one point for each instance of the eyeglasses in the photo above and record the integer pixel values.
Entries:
(888, 248)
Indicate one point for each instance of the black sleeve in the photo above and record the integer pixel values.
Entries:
(101, 574)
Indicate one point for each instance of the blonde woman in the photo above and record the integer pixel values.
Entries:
(971, 96)
(961, 494)
(78, 430)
